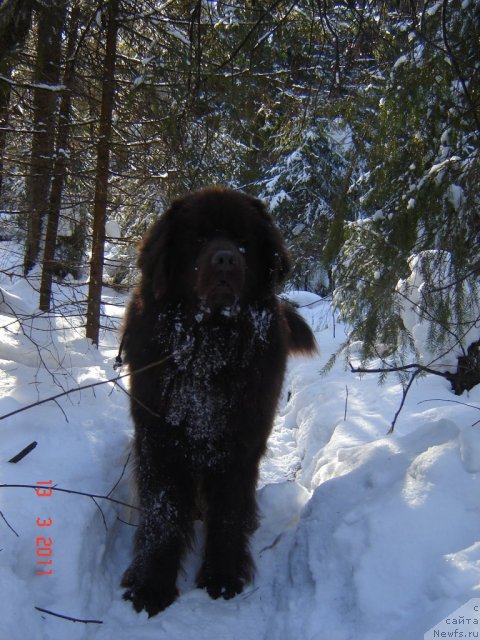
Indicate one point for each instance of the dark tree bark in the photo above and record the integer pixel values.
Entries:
(15, 18)
(5, 90)
(60, 164)
(467, 374)
(102, 174)
(51, 18)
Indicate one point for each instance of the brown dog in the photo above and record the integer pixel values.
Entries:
(206, 340)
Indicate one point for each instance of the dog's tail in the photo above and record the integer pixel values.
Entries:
(301, 340)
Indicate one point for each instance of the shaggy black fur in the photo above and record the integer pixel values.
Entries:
(206, 312)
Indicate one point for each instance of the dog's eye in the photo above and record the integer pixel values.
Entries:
(242, 245)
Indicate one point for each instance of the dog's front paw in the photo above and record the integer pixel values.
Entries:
(220, 585)
(147, 592)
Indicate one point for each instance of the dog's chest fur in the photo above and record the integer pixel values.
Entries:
(208, 373)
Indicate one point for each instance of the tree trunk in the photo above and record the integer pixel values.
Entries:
(60, 165)
(51, 18)
(5, 91)
(467, 374)
(102, 173)
(15, 17)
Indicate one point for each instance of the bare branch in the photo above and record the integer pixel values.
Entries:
(8, 524)
(101, 513)
(404, 397)
(121, 475)
(465, 404)
(60, 615)
(93, 496)
(464, 379)
(405, 367)
(85, 386)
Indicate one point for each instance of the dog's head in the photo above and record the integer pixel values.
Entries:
(215, 248)
(220, 270)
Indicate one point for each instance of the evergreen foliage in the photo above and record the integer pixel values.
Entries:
(358, 122)
(302, 190)
(417, 195)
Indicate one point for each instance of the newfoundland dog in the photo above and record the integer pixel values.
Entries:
(206, 340)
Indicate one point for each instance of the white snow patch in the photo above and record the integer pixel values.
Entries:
(362, 535)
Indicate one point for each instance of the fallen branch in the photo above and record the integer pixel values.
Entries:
(405, 367)
(24, 452)
(418, 368)
(92, 385)
(60, 615)
(465, 404)
(465, 377)
(93, 496)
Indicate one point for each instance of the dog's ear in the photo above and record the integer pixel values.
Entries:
(152, 258)
(274, 248)
(281, 256)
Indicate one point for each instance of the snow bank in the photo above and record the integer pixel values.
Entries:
(362, 535)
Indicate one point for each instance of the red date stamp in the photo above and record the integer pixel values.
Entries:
(44, 542)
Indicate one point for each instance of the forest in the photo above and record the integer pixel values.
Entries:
(357, 122)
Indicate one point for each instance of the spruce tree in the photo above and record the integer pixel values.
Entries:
(418, 214)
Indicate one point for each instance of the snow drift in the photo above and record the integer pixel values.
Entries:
(363, 535)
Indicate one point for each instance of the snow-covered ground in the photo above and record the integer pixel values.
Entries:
(364, 535)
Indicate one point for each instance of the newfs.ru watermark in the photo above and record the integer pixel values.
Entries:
(464, 622)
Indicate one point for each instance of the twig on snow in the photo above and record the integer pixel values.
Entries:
(405, 367)
(404, 397)
(24, 452)
(93, 496)
(121, 475)
(92, 385)
(8, 524)
(60, 615)
(465, 404)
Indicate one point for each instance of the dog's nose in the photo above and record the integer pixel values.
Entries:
(224, 260)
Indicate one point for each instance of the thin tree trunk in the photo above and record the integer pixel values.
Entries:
(102, 174)
(5, 91)
(15, 18)
(51, 18)
(60, 165)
